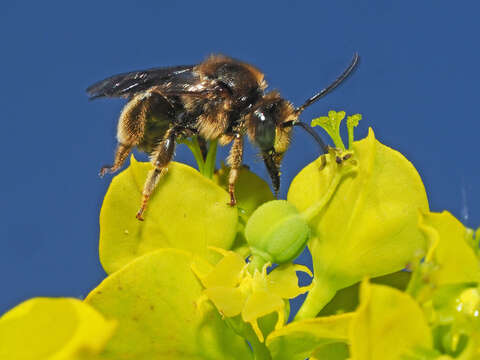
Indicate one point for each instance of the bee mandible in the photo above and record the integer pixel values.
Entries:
(218, 99)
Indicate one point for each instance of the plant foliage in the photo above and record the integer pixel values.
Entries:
(202, 280)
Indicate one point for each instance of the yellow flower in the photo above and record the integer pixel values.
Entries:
(368, 227)
(54, 329)
(235, 291)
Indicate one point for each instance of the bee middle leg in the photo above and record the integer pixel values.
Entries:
(235, 162)
(161, 156)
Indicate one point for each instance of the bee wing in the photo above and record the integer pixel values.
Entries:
(131, 83)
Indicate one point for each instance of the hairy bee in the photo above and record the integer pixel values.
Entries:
(220, 98)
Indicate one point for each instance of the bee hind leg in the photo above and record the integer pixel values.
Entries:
(160, 158)
(121, 155)
(235, 162)
(131, 128)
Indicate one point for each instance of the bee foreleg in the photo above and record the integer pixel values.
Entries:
(235, 162)
(160, 158)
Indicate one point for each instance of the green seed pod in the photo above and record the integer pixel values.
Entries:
(276, 233)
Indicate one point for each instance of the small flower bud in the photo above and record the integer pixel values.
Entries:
(276, 233)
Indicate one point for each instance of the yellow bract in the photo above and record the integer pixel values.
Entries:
(300, 339)
(469, 302)
(53, 329)
(369, 227)
(449, 249)
(446, 284)
(154, 300)
(347, 299)
(251, 191)
(234, 291)
(388, 325)
(187, 211)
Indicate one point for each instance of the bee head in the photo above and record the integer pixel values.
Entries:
(264, 123)
(266, 130)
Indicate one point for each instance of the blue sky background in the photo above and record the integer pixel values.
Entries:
(417, 86)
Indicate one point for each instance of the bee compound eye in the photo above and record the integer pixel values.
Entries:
(264, 131)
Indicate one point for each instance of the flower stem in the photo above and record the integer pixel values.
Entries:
(260, 351)
(197, 153)
(206, 167)
(210, 160)
(319, 296)
(256, 263)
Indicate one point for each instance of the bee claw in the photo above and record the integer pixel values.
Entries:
(139, 215)
(233, 201)
(104, 170)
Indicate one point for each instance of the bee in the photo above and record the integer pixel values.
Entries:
(218, 99)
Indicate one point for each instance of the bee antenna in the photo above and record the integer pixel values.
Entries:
(332, 86)
(312, 132)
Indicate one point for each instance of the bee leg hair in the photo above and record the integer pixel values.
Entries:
(159, 158)
(121, 153)
(235, 162)
(130, 130)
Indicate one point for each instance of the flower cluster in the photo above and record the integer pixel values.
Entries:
(199, 279)
(234, 290)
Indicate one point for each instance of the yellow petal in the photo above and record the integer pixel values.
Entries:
(283, 281)
(186, 211)
(227, 271)
(261, 303)
(229, 301)
(53, 329)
